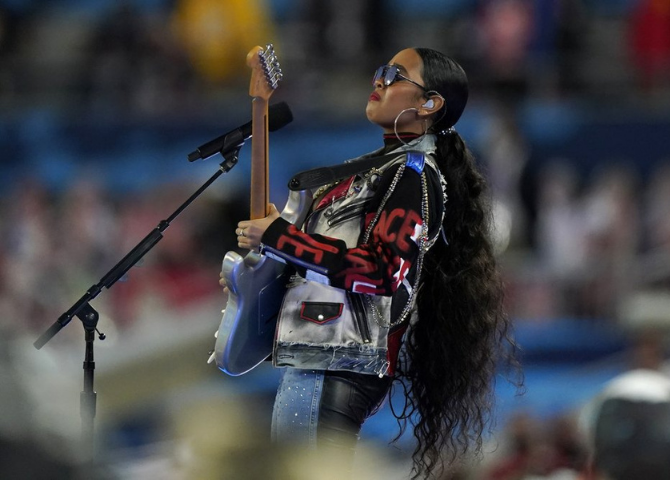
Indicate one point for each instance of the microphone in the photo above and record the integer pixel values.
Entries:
(279, 115)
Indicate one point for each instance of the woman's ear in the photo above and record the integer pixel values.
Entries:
(432, 105)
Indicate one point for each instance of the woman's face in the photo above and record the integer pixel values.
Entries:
(386, 102)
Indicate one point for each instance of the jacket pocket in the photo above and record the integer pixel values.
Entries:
(321, 312)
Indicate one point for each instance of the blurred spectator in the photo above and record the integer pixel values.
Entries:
(27, 286)
(572, 22)
(647, 350)
(506, 29)
(650, 43)
(560, 224)
(340, 31)
(117, 50)
(568, 444)
(519, 436)
(218, 34)
(535, 449)
(629, 428)
(181, 274)
(9, 27)
(505, 152)
(560, 236)
(656, 221)
(85, 236)
(134, 64)
(330, 42)
(612, 222)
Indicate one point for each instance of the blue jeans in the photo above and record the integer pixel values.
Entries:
(325, 409)
(296, 410)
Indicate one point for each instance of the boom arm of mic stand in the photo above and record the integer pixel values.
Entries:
(231, 155)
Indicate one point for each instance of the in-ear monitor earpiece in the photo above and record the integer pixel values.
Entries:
(429, 104)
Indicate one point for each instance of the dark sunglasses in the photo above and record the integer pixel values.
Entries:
(389, 74)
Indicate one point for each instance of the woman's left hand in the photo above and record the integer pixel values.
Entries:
(250, 232)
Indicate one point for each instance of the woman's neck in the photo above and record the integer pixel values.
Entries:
(393, 141)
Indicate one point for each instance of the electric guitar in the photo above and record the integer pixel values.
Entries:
(256, 283)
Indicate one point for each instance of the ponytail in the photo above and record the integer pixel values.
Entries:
(451, 353)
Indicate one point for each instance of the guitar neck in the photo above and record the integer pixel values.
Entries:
(260, 188)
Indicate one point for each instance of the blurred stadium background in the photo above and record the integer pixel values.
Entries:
(102, 100)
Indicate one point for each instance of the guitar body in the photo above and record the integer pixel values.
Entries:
(256, 287)
(246, 333)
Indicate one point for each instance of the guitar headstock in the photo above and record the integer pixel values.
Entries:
(265, 71)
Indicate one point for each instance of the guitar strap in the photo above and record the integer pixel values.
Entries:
(325, 175)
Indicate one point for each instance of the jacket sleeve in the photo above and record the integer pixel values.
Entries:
(377, 266)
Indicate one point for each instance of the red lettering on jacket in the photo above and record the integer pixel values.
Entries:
(305, 244)
(386, 232)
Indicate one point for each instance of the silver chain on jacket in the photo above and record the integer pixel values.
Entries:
(424, 245)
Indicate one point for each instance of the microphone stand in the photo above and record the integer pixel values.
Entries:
(89, 317)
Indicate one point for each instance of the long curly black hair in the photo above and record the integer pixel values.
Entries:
(451, 354)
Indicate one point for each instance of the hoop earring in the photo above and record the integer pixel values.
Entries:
(395, 126)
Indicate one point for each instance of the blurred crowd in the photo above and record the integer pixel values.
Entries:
(180, 57)
(573, 242)
(55, 247)
(597, 242)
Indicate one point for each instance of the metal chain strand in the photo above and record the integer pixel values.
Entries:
(424, 245)
(374, 221)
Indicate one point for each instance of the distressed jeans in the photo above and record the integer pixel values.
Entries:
(325, 410)
(296, 409)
